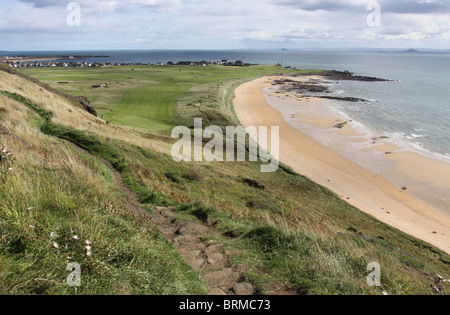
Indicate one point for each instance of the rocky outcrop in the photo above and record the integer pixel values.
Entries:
(349, 76)
(345, 99)
(84, 101)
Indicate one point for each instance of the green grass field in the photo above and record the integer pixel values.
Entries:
(146, 96)
(294, 233)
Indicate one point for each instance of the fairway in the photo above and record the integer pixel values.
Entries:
(142, 96)
(149, 107)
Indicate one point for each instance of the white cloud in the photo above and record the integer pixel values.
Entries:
(147, 24)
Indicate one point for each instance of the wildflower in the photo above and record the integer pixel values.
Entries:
(87, 242)
(31, 226)
(75, 237)
(30, 208)
(52, 235)
(55, 245)
(88, 251)
(10, 169)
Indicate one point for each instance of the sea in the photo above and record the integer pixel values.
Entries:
(412, 108)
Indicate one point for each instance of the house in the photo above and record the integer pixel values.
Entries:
(99, 86)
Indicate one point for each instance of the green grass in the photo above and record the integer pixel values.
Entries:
(295, 233)
(54, 193)
(147, 96)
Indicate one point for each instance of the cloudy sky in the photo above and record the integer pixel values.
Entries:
(220, 24)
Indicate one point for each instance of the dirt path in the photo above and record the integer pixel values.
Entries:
(209, 258)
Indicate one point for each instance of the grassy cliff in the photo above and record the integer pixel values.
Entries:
(62, 191)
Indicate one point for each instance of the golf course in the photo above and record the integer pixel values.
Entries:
(142, 96)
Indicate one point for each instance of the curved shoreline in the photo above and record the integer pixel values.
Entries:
(369, 192)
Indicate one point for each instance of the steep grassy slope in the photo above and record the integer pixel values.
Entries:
(53, 194)
(294, 233)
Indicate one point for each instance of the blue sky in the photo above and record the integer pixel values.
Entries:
(218, 24)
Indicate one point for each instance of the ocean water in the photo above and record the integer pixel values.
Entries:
(413, 108)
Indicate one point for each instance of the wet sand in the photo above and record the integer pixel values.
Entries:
(371, 174)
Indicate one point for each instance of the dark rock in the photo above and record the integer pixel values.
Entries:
(84, 101)
(345, 99)
(349, 76)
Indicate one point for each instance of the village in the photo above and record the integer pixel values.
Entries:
(45, 62)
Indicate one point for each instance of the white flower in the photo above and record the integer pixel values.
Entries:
(10, 169)
(31, 226)
(76, 238)
(30, 208)
(55, 245)
(87, 242)
(88, 251)
(52, 235)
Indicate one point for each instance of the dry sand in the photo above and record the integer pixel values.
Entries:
(371, 192)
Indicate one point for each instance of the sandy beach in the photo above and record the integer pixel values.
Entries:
(401, 188)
